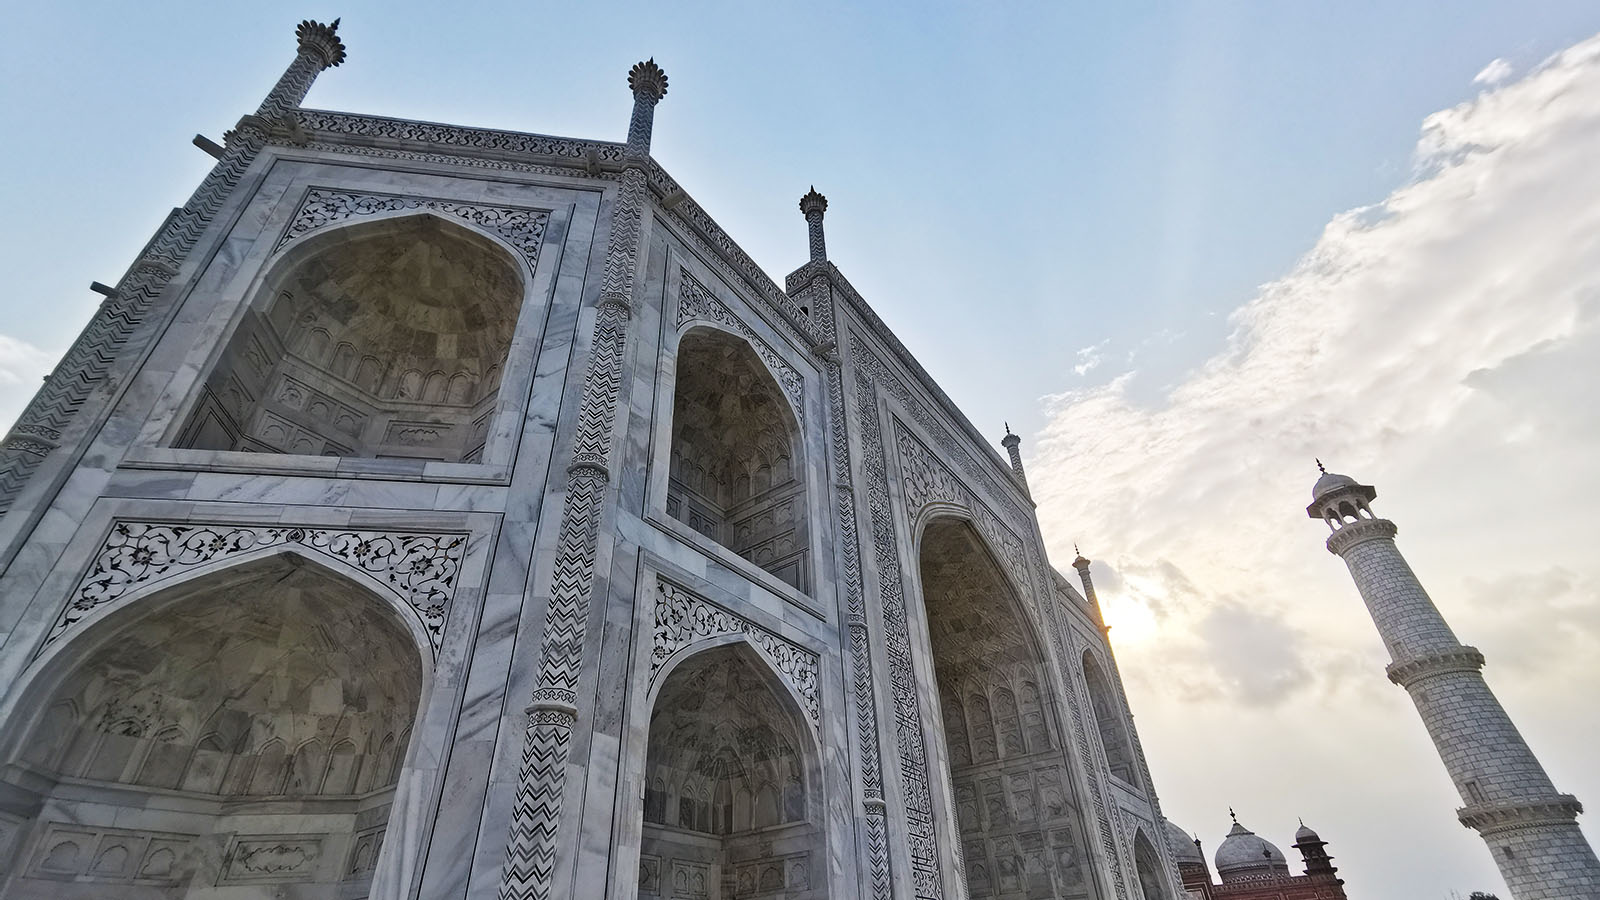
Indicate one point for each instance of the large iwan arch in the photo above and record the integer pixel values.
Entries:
(1016, 818)
(245, 724)
(385, 338)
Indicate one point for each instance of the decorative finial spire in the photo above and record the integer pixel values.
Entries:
(647, 78)
(1232, 815)
(1013, 445)
(1320, 468)
(649, 85)
(322, 40)
(812, 206)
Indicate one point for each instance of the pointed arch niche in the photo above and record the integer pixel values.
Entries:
(384, 338)
(736, 474)
(1148, 864)
(1108, 720)
(730, 803)
(1018, 824)
(248, 727)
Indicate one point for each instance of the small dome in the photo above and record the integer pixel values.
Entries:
(1304, 835)
(1182, 846)
(1243, 856)
(1330, 482)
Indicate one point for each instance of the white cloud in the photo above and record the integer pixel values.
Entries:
(1443, 344)
(1090, 357)
(1496, 71)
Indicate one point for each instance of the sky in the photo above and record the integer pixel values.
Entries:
(1183, 248)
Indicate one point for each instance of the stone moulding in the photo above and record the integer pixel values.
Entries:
(696, 302)
(1494, 818)
(422, 568)
(523, 229)
(683, 619)
(1359, 533)
(1457, 659)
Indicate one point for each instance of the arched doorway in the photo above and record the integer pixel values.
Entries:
(1018, 823)
(1148, 864)
(247, 728)
(1108, 720)
(736, 474)
(384, 338)
(730, 805)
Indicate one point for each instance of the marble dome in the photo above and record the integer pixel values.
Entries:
(1243, 855)
(1182, 846)
(1305, 835)
(1329, 482)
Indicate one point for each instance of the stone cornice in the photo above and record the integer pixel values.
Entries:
(1494, 818)
(353, 128)
(1407, 672)
(1359, 533)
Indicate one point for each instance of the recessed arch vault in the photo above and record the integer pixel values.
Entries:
(731, 803)
(380, 338)
(1108, 720)
(736, 472)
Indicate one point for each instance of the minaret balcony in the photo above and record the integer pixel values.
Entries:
(1359, 532)
(1507, 815)
(1407, 672)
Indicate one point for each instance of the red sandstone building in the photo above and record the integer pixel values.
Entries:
(1252, 868)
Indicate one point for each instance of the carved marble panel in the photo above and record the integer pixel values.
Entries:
(422, 568)
(683, 618)
(253, 859)
(692, 880)
(67, 852)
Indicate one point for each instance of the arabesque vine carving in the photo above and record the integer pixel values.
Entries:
(422, 568)
(683, 618)
(522, 228)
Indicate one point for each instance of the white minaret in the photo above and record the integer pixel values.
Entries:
(1530, 827)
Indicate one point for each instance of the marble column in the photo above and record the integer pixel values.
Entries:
(552, 711)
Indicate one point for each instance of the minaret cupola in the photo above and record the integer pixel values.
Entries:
(1339, 500)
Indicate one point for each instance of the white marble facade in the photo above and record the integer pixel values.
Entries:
(463, 514)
